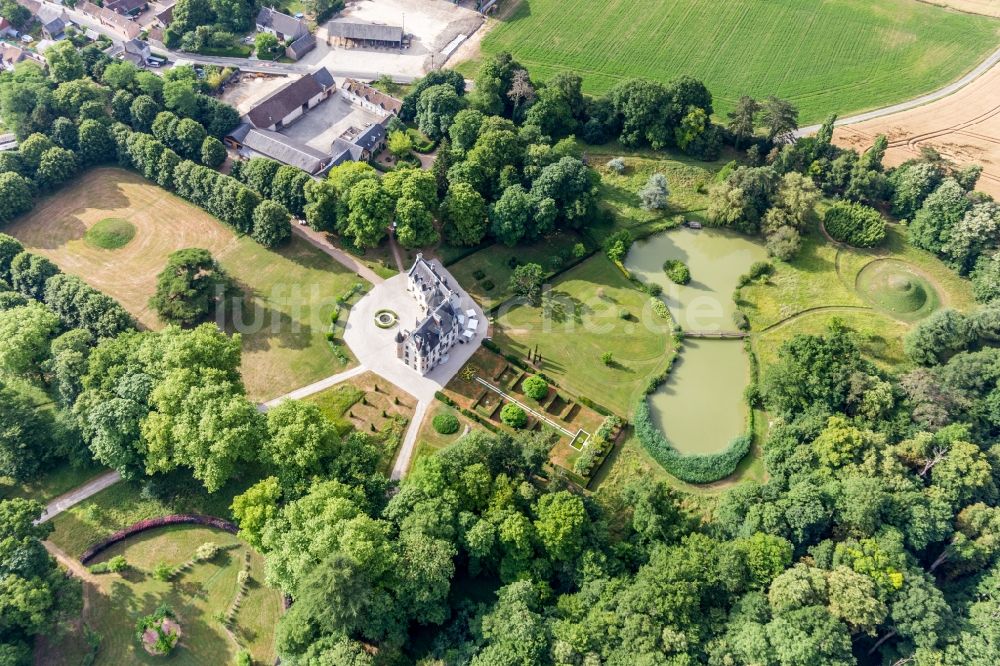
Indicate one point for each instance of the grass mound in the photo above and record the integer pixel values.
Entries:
(110, 233)
(895, 288)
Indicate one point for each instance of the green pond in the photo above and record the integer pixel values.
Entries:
(700, 407)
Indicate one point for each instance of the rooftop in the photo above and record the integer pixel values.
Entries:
(289, 97)
(286, 150)
(365, 31)
(373, 96)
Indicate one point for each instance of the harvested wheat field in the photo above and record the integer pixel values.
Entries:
(288, 294)
(964, 127)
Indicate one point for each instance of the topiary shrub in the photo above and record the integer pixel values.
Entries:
(206, 551)
(677, 271)
(535, 387)
(854, 224)
(446, 424)
(513, 416)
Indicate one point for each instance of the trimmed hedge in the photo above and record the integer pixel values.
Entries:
(690, 468)
(446, 424)
(854, 224)
(151, 523)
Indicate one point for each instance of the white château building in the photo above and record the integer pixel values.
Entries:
(428, 343)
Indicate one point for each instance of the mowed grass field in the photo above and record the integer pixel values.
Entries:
(579, 320)
(288, 293)
(823, 55)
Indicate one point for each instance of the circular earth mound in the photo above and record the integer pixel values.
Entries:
(896, 288)
(110, 233)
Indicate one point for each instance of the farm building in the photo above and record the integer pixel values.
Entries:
(286, 104)
(126, 7)
(301, 46)
(282, 149)
(282, 26)
(364, 34)
(369, 98)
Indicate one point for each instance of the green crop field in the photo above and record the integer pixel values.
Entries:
(824, 55)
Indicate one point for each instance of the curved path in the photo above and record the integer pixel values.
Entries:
(976, 72)
(808, 311)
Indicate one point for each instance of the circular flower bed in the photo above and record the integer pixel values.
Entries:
(158, 632)
(386, 318)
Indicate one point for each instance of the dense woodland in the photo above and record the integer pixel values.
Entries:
(874, 541)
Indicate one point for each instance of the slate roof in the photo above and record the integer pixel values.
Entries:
(366, 31)
(373, 96)
(289, 97)
(283, 149)
(240, 133)
(371, 137)
(283, 23)
(345, 151)
(124, 6)
(302, 46)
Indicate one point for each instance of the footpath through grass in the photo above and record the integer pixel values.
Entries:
(823, 55)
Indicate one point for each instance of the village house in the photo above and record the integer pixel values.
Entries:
(428, 343)
(134, 51)
(126, 29)
(371, 99)
(282, 26)
(360, 146)
(54, 22)
(10, 55)
(126, 7)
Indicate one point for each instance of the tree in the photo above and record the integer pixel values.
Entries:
(942, 210)
(560, 524)
(288, 188)
(271, 224)
(464, 214)
(321, 204)
(64, 133)
(191, 287)
(56, 167)
(743, 118)
(65, 63)
(26, 436)
(144, 111)
(26, 333)
(10, 247)
(784, 243)
(526, 282)
(119, 75)
(780, 118)
(95, 143)
(255, 508)
(15, 196)
(535, 387)
(941, 335)
(213, 152)
(971, 236)
(189, 136)
(911, 183)
(29, 272)
(432, 78)
(512, 217)
(415, 224)
(655, 192)
(301, 442)
(369, 208)
(32, 149)
(267, 45)
(513, 416)
(180, 97)
(436, 109)
(400, 144)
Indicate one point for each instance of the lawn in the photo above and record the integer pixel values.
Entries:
(688, 183)
(115, 601)
(485, 275)
(368, 403)
(824, 55)
(123, 504)
(579, 320)
(53, 482)
(288, 293)
(430, 441)
(823, 282)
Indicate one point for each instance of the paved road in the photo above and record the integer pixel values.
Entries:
(74, 497)
(319, 240)
(979, 70)
(321, 385)
(409, 444)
